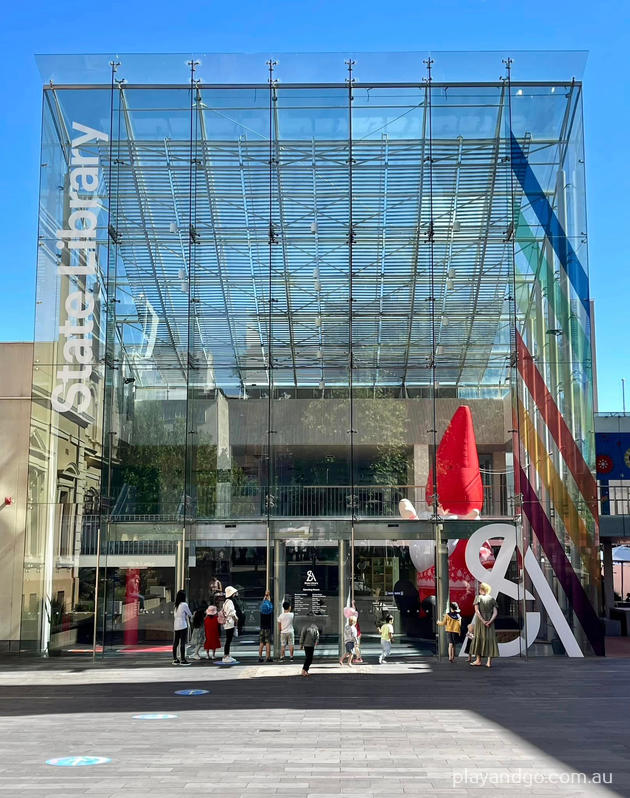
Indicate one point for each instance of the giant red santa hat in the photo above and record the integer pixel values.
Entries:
(459, 486)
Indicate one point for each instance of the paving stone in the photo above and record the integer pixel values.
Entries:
(380, 733)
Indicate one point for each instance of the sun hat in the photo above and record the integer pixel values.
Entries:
(230, 591)
(212, 610)
(349, 612)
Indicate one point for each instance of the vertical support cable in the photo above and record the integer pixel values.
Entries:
(430, 240)
(514, 381)
(351, 237)
(271, 240)
(192, 239)
(110, 331)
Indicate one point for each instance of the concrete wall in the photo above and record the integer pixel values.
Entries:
(16, 364)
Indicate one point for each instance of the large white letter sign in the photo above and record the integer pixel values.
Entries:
(496, 578)
(79, 238)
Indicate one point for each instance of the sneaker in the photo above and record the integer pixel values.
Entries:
(260, 659)
(291, 660)
(175, 662)
(185, 662)
(380, 660)
(196, 656)
(268, 659)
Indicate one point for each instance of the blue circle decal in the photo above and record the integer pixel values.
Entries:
(77, 761)
(155, 716)
(191, 692)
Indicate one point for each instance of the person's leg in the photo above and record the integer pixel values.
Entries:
(182, 643)
(489, 662)
(260, 648)
(308, 657)
(175, 642)
(268, 646)
(291, 645)
(451, 652)
(229, 634)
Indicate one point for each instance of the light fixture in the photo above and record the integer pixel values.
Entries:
(314, 228)
(519, 93)
(456, 226)
(319, 353)
(318, 321)
(444, 321)
(322, 385)
(439, 350)
(316, 272)
(172, 228)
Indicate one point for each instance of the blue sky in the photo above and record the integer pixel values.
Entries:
(602, 28)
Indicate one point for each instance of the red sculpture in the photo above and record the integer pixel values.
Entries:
(459, 485)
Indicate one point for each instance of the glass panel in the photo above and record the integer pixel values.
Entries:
(249, 347)
(65, 438)
(310, 412)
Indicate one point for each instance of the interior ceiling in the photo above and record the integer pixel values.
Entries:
(207, 284)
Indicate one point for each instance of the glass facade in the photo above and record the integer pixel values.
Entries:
(261, 308)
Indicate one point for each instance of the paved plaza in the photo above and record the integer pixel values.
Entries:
(403, 729)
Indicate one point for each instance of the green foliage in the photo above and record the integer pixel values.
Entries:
(154, 464)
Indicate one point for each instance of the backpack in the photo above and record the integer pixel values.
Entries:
(266, 608)
(221, 617)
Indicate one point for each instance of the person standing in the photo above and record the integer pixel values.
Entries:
(229, 624)
(387, 635)
(309, 638)
(452, 623)
(266, 626)
(287, 633)
(212, 631)
(484, 643)
(215, 588)
(470, 636)
(197, 636)
(357, 649)
(349, 639)
(180, 628)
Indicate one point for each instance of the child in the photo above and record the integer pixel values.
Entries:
(213, 631)
(287, 634)
(452, 622)
(350, 640)
(266, 627)
(357, 648)
(387, 635)
(197, 637)
(470, 634)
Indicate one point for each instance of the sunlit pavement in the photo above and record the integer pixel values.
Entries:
(420, 728)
